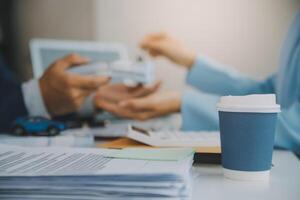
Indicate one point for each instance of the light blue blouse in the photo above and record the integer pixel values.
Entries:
(213, 80)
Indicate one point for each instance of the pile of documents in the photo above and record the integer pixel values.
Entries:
(80, 173)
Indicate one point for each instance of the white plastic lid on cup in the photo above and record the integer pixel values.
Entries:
(258, 103)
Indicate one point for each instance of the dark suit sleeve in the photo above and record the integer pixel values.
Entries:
(11, 100)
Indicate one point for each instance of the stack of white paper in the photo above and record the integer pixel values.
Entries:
(65, 173)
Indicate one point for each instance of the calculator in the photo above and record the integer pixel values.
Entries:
(174, 138)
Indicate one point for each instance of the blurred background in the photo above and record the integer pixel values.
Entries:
(241, 33)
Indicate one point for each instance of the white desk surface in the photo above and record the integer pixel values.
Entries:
(284, 183)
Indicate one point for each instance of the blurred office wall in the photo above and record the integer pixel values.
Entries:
(241, 33)
(246, 34)
(62, 19)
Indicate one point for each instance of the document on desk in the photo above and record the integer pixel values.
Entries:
(67, 138)
(77, 173)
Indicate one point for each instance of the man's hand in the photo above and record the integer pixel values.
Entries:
(114, 93)
(65, 92)
(144, 108)
(162, 44)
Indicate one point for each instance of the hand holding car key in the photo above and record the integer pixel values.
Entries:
(121, 71)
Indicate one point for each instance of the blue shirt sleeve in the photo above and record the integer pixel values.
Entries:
(211, 77)
(212, 81)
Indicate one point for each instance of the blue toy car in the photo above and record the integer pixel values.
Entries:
(38, 126)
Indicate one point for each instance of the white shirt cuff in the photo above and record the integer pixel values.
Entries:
(33, 99)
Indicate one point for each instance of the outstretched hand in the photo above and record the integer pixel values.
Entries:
(115, 93)
(163, 44)
(143, 108)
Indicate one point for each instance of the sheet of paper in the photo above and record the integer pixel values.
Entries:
(68, 138)
(18, 161)
(171, 154)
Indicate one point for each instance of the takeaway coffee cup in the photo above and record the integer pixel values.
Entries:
(247, 130)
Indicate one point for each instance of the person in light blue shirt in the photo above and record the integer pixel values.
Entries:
(213, 80)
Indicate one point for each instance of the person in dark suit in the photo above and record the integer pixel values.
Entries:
(56, 93)
(11, 101)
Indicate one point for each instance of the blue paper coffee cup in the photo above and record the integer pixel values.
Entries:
(247, 130)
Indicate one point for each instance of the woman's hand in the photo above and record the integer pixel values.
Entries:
(162, 44)
(151, 106)
(115, 93)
